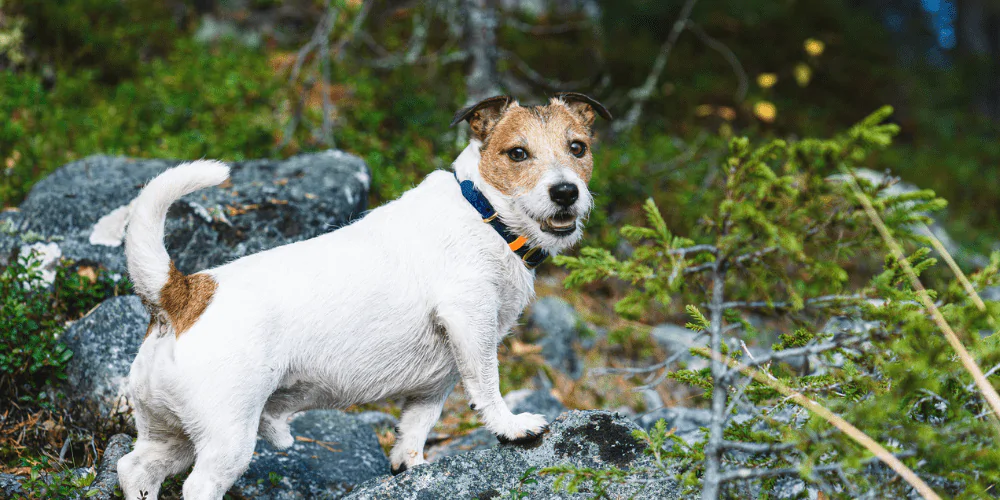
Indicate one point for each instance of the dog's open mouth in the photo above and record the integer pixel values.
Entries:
(561, 224)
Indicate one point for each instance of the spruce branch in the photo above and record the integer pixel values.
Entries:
(835, 420)
(989, 393)
(962, 278)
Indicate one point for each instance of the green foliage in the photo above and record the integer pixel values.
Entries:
(32, 315)
(571, 478)
(782, 237)
(41, 483)
(196, 103)
(527, 477)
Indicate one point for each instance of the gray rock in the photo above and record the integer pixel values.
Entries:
(479, 439)
(990, 293)
(595, 439)
(269, 203)
(333, 452)
(107, 473)
(560, 327)
(10, 485)
(378, 420)
(104, 344)
(540, 402)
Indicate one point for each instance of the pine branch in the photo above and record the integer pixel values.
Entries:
(989, 393)
(853, 432)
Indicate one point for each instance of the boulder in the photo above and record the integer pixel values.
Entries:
(595, 439)
(104, 343)
(333, 452)
(559, 325)
(84, 206)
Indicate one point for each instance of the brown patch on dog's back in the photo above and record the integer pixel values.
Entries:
(545, 132)
(184, 298)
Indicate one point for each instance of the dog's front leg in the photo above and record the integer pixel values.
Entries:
(472, 335)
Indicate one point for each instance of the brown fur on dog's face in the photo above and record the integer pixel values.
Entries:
(546, 133)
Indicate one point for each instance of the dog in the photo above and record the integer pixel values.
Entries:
(403, 303)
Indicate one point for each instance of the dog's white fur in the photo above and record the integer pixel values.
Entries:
(400, 304)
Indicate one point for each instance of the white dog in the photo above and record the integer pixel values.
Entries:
(400, 304)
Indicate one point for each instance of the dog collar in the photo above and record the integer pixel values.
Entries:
(531, 256)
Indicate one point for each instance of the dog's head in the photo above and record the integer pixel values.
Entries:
(535, 162)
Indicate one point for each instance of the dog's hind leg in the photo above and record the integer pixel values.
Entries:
(223, 453)
(418, 418)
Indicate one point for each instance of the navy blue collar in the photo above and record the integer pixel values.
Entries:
(531, 256)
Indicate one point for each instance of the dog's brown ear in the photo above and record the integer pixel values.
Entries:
(483, 115)
(586, 107)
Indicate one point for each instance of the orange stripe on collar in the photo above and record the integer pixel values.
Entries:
(518, 243)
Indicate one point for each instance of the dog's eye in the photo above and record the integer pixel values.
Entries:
(517, 154)
(578, 149)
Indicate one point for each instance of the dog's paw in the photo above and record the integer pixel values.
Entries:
(523, 428)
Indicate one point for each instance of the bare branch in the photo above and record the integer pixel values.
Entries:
(727, 53)
(757, 447)
(546, 30)
(540, 80)
(815, 301)
(643, 93)
(740, 474)
(694, 249)
(837, 343)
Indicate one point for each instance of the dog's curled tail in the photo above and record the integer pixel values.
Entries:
(149, 264)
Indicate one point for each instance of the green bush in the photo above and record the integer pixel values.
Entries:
(214, 102)
(784, 239)
(32, 315)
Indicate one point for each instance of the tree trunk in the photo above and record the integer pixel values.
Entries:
(482, 79)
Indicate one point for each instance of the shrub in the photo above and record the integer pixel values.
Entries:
(32, 315)
(784, 240)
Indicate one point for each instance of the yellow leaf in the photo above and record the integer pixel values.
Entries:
(814, 47)
(704, 110)
(765, 111)
(803, 73)
(767, 80)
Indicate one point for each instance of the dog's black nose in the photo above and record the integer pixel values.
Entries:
(564, 194)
